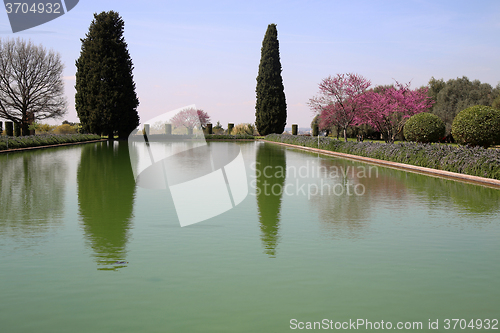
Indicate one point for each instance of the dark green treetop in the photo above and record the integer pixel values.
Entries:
(458, 94)
(105, 98)
(270, 108)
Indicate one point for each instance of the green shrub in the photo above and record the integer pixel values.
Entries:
(43, 140)
(44, 128)
(424, 127)
(229, 137)
(474, 161)
(477, 126)
(243, 129)
(65, 129)
(315, 130)
(217, 129)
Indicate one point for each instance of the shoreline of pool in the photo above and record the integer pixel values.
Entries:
(49, 146)
(493, 183)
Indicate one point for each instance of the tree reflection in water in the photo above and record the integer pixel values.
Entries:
(32, 190)
(269, 201)
(106, 191)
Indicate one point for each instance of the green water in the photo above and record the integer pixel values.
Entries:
(409, 248)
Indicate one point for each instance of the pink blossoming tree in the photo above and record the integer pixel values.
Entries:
(190, 118)
(388, 108)
(340, 101)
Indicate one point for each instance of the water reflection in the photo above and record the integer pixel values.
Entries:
(341, 202)
(32, 189)
(106, 191)
(441, 193)
(270, 160)
(349, 216)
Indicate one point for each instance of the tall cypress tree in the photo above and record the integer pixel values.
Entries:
(270, 108)
(105, 98)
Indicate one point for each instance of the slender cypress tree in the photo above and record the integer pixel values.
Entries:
(105, 98)
(270, 108)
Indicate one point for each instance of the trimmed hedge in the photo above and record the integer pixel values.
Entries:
(474, 161)
(229, 137)
(424, 127)
(44, 140)
(477, 126)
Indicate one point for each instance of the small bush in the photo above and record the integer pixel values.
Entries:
(477, 126)
(243, 129)
(424, 127)
(65, 129)
(218, 129)
(229, 137)
(44, 128)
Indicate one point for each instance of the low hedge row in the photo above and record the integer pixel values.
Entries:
(229, 137)
(43, 140)
(474, 161)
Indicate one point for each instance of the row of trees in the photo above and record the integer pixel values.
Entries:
(32, 86)
(455, 95)
(31, 89)
(345, 100)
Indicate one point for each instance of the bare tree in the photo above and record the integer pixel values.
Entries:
(31, 84)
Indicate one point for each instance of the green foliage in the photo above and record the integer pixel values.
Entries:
(33, 126)
(315, 131)
(474, 161)
(270, 107)
(458, 94)
(424, 127)
(44, 140)
(218, 129)
(105, 98)
(44, 128)
(315, 121)
(477, 126)
(243, 129)
(362, 132)
(229, 137)
(496, 103)
(65, 129)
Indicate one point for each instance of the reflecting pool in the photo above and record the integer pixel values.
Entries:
(84, 249)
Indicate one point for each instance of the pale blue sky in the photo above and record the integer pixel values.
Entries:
(207, 52)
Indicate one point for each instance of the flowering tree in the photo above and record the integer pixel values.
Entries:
(388, 108)
(190, 118)
(340, 101)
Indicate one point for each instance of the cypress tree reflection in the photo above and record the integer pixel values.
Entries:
(269, 187)
(106, 191)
